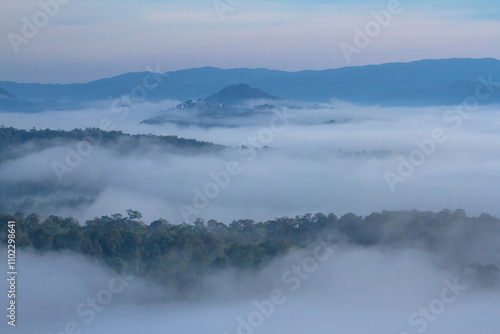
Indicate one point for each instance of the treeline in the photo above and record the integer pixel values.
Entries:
(41, 139)
(179, 255)
(47, 195)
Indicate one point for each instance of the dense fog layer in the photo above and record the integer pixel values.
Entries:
(336, 158)
(327, 288)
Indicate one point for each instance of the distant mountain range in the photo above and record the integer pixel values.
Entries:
(419, 83)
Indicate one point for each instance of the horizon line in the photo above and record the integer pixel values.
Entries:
(251, 68)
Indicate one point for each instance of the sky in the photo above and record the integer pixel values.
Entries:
(67, 41)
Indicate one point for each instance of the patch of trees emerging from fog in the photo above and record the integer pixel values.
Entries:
(41, 139)
(179, 256)
(17, 143)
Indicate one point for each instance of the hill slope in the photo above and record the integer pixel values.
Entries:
(6, 95)
(235, 94)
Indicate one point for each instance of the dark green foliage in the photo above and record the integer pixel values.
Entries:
(49, 195)
(178, 256)
(37, 140)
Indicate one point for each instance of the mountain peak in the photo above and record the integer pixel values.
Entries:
(234, 94)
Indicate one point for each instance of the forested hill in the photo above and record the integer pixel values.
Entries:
(179, 256)
(41, 139)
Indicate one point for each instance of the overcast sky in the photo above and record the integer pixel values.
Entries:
(90, 39)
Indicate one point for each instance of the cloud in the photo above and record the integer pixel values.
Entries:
(112, 38)
(309, 166)
(349, 289)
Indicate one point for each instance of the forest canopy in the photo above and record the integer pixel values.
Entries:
(179, 256)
